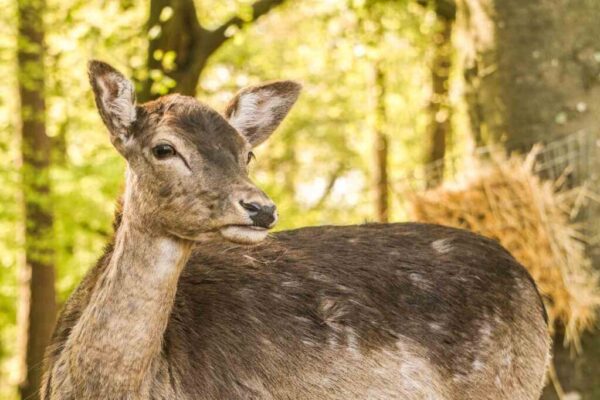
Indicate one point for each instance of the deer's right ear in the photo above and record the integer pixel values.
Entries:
(115, 99)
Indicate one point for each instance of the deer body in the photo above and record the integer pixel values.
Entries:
(173, 310)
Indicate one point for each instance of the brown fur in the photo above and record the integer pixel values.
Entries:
(174, 311)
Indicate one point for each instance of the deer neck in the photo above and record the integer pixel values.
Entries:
(122, 327)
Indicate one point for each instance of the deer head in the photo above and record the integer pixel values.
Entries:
(187, 165)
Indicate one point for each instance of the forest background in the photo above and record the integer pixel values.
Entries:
(390, 89)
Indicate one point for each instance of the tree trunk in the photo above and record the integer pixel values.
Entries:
(532, 69)
(438, 130)
(380, 142)
(37, 297)
(180, 47)
(532, 74)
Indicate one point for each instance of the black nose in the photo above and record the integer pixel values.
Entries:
(262, 216)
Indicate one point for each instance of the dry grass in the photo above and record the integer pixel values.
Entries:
(501, 198)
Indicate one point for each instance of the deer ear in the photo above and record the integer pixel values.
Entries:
(257, 110)
(115, 99)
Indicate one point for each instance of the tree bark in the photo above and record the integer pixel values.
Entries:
(438, 130)
(380, 144)
(191, 43)
(532, 70)
(37, 296)
(532, 74)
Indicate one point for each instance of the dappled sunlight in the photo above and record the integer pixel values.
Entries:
(398, 97)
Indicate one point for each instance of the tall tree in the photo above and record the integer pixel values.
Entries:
(439, 109)
(372, 31)
(37, 303)
(532, 70)
(380, 143)
(532, 74)
(180, 46)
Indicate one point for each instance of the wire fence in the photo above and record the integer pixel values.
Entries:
(572, 161)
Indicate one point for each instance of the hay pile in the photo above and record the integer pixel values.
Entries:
(503, 199)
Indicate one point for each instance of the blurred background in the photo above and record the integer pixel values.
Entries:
(426, 110)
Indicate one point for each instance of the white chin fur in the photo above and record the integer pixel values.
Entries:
(243, 234)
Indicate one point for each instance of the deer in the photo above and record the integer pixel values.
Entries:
(194, 298)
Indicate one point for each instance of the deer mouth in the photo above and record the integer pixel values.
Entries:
(244, 234)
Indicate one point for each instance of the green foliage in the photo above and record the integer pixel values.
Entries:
(316, 168)
(330, 48)
(87, 175)
(9, 209)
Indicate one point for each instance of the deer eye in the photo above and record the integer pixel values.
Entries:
(251, 157)
(163, 151)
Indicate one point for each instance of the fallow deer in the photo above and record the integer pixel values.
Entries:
(194, 300)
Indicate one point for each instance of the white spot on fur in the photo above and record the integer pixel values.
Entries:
(342, 288)
(332, 340)
(415, 373)
(256, 386)
(326, 382)
(319, 277)
(331, 313)
(352, 341)
(507, 360)
(413, 276)
(477, 365)
(408, 370)
(442, 246)
(246, 293)
(434, 326)
(520, 286)
(277, 296)
(418, 280)
(304, 320)
(485, 331)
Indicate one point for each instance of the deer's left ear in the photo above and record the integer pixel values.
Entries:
(257, 110)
